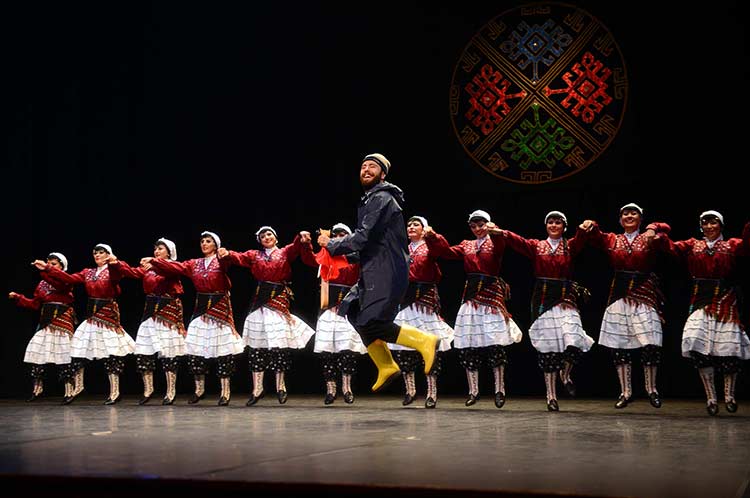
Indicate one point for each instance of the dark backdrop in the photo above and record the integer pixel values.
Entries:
(135, 121)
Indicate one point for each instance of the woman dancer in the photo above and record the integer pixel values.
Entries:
(50, 345)
(336, 341)
(420, 308)
(271, 331)
(211, 335)
(162, 332)
(484, 326)
(713, 336)
(633, 318)
(556, 331)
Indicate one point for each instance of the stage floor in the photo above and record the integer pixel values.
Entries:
(376, 446)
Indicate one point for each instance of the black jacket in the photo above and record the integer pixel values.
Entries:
(381, 241)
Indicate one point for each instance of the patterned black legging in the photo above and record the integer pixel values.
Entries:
(553, 362)
(492, 356)
(147, 363)
(650, 356)
(726, 364)
(114, 364)
(198, 365)
(334, 363)
(65, 372)
(409, 361)
(276, 359)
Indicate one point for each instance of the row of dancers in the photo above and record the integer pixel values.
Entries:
(713, 336)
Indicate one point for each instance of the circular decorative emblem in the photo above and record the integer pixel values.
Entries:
(538, 93)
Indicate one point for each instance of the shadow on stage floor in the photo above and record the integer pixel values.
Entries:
(374, 447)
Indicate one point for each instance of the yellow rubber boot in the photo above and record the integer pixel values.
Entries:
(387, 368)
(423, 342)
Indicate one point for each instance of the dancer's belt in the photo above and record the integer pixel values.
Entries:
(214, 306)
(58, 317)
(423, 295)
(549, 292)
(104, 313)
(336, 294)
(717, 297)
(165, 309)
(274, 295)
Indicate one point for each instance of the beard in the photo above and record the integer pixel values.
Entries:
(367, 184)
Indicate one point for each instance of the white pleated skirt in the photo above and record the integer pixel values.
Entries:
(557, 328)
(478, 327)
(154, 337)
(628, 326)
(334, 334)
(48, 346)
(426, 322)
(209, 339)
(706, 335)
(94, 342)
(267, 328)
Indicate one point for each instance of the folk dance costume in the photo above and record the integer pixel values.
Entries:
(420, 308)
(483, 325)
(100, 335)
(713, 336)
(211, 334)
(556, 331)
(271, 331)
(633, 318)
(50, 344)
(161, 333)
(336, 340)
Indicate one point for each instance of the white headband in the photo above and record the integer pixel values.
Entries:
(63, 259)
(216, 238)
(265, 228)
(420, 219)
(106, 247)
(556, 214)
(341, 226)
(171, 247)
(632, 205)
(706, 214)
(480, 214)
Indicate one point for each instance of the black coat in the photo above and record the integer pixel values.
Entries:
(381, 241)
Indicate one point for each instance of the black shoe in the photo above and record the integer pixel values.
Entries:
(282, 396)
(254, 399)
(195, 398)
(144, 400)
(111, 401)
(654, 399)
(471, 399)
(622, 401)
(329, 399)
(408, 399)
(167, 401)
(731, 406)
(348, 398)
(499, 399)
(223, 401)
(68, 400)
(571, 388)
(552, 406)
(430, 403)
(712, 409)
(32, 397)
